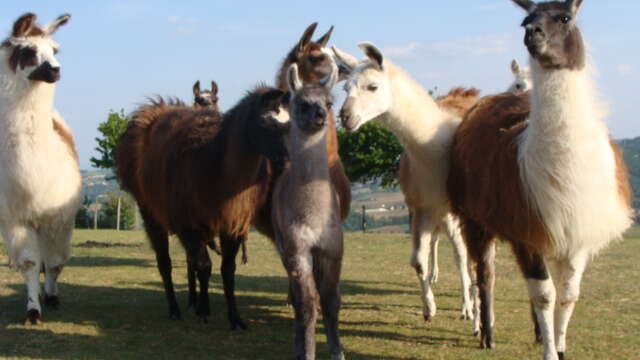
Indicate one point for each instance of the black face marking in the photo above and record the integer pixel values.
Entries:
(23, 57)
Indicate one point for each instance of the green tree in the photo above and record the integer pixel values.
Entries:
(371, 154)
(111, 129)
(109, 211)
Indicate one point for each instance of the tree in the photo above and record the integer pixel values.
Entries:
(370, 154)
(111, 130)
(109, 212)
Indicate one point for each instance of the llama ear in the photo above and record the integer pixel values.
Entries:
(346, 62)
(272, 98)
(325, 38)
(574, 5)
(23, 25)
(528, 5)
(196, 88)
(53, 26)
(372, 53)
(515, 67)
(214, 88)
(293, 79)
(330, 80)
(306, 36)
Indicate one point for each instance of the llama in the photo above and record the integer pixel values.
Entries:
(315, 62)
(540, 172)
(522, 78)
(206, 98)
(377, 89)
(306, 217)
(197, 174)
(40, 181)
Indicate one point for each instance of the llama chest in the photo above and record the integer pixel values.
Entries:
(575, 186)
(423, 180)
(38, 175)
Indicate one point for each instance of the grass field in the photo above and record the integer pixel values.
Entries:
(113, 307)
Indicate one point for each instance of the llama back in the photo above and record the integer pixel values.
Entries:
(459, 100)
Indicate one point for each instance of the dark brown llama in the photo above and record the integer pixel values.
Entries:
(539, 171)
(198, 174)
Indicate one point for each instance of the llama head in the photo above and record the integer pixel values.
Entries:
(552, 35)
(205, 98)
(31, 52)
(267, 129)
(367, 86)
(310, 103)
(314, 60)
(522, 78)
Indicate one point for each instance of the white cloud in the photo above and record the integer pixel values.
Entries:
(467, 46)
(183, 24)
(625, 69)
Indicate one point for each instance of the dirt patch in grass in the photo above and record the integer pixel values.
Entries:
(101, 244)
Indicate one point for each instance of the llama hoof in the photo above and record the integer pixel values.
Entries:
(33, 317)
(174, 314)
(486, 344)
(427, 317)
(538, 340)
(52, 301)
(337, 356)
(476, 333)
(561, 355)
(238, 323)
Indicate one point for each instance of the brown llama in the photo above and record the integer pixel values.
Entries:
(306, 217)
(198, 174)
(539, 171)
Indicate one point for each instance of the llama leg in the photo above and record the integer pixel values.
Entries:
(569, 275)
(230, 246)
(55, 247)
(536, 324)
(481, 247)
(304, 298)
(434, 270)
(160, 243)
(195, 242)
(327, 267)
(542, 294)
(191, 280)
(422, 229)
(460, 256)
(474, 293)
(24, 254)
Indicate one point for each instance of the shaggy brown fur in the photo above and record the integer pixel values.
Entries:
(197, 174)
(66, 137)
(459, 100)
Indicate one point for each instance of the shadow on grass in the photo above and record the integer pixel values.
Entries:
(124, 322)
(101, 261)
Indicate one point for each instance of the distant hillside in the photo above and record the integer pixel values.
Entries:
(631, 148)
(96, 182)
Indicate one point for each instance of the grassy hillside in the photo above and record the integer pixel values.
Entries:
(113, 307)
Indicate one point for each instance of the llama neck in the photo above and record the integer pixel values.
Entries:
(25, 106)
(414, 117)
(308, 154)
(564, 106)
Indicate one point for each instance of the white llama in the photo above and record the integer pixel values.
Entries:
(522, 78)
(40, 181)
(377, 89)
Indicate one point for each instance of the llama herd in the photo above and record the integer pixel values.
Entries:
(533, 166)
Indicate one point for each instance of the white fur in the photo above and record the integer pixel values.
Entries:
(568, 166)
(522, 79)
(39, 177)
(543, 296)
(282, 116)
(426, 132)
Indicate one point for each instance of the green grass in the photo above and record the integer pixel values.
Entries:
(113, 307)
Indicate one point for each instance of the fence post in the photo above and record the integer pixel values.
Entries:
(364, 219)
(118, 214)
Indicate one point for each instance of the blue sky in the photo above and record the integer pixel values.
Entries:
(115, 53)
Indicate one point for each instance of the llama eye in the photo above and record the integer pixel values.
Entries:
(564, 19)
(372, 87)
(518, 86)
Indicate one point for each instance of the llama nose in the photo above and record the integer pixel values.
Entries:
(344, 115)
